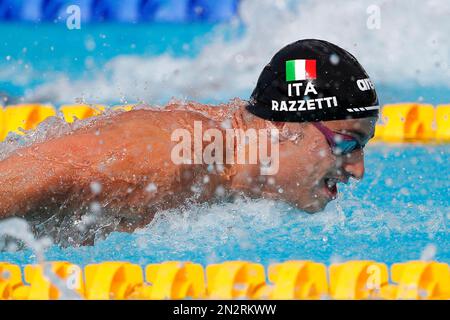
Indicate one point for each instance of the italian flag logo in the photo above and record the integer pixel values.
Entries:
(300, 70)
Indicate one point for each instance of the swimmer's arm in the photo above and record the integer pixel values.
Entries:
(45, 174)
(32, 176)
(113, 153)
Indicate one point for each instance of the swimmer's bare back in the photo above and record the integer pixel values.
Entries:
(123, 163)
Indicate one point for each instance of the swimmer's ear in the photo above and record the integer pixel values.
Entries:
(278, 124)
(291, 131)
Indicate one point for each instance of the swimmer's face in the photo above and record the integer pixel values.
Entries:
(309, 170)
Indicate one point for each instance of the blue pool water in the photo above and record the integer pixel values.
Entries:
(115, 64)
(400, 211)
(31, 54)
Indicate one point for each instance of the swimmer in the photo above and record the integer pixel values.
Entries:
(123, 165)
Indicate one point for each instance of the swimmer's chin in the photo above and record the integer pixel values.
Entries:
(313, 207)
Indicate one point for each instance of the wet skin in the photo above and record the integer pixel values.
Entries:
(309, 170)
(125, 153)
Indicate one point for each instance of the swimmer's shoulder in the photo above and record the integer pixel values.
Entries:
(177, 114)
(219, 112)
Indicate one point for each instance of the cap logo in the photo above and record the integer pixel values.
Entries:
(300, 69)
(365, 84)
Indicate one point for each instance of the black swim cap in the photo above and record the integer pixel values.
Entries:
(313, 80)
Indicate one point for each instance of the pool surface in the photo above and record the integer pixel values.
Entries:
(127, 63)
(400, 211)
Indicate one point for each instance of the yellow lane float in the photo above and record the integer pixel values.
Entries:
(401, 122)
(228, 280)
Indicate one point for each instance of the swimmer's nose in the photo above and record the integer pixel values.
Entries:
(354, 164)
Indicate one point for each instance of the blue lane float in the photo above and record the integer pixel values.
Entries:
(130, 11)
(213, 11)
(10, 10)
(165, 10)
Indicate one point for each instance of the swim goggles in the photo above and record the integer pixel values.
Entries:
(340, 143)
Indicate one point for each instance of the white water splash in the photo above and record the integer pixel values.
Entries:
(411, 47)
(50, 128)
(428, 253)
(19, 229)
